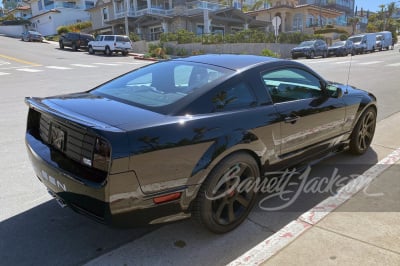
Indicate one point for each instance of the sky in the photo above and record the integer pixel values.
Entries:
(373, 5)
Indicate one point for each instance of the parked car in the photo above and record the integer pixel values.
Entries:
(342, 48)
(31, 36)
(75, 40)
(169, 140)
(109, 44)
(386, 40)
(310, 49)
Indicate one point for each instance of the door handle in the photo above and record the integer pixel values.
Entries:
(291, 119)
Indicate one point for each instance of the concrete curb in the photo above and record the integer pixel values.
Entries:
(273, 244)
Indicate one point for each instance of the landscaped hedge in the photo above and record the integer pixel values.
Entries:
(77, 27)
(244, 36)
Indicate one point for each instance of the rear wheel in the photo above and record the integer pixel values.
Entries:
(74, 47)
(325, 54)
(312, 54)
(220, 206)
(363, 132)
(124, 53)
(61, 45)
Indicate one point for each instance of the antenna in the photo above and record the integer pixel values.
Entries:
(348, 73)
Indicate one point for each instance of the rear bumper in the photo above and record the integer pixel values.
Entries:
(118, 201)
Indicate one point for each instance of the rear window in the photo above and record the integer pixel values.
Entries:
(122, 39)
(162, 84)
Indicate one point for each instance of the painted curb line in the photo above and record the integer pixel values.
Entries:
(273, 244)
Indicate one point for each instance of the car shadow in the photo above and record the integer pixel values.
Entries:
(306, 187)
(50, 235)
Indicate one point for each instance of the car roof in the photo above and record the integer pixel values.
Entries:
(230, 61)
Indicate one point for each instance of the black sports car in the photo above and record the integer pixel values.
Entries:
(156, 144)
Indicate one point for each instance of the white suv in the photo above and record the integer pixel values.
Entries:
(109, 44)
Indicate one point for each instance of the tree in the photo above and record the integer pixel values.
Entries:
(353, 22)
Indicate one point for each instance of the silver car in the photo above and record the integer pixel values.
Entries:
(31, 35)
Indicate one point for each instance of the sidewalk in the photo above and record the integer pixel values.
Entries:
(360, 228)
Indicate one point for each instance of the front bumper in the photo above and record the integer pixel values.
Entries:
(118, 201)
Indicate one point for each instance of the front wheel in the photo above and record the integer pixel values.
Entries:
(221, 205)
(74, 47)
(363, 132)
(61, 45)
(124, 53)
(325, 54)
(91, 51)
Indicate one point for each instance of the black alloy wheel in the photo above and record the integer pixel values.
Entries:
(363, 132)
(221, 205)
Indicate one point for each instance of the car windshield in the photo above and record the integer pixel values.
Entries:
(306, 43)
(336, 44)
(355, 39)
(162, 83)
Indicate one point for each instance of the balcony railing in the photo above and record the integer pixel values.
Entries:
(146, 11)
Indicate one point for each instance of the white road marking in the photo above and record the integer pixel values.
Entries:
(273, 244)
(346, 62)
(82, 65)
(58, 67)
(107, 64)
(394, 65)
(29, 70)
(371, 63)
(3, 73)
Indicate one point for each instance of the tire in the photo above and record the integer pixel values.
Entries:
(61, 45)
(294, 57)
(90, 49)
(324, 54)
(312, 54)
(223, 214)
(108, 51)
(124, 53)
(363, 132)
(74, 47)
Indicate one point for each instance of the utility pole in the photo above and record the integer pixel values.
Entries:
(126, 19)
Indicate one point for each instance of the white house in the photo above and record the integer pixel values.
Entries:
(48, 15)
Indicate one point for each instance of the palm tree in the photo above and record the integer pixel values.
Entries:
(353, 22)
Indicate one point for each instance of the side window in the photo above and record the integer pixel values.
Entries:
(109, 38)
(232, 96)
(291, 84)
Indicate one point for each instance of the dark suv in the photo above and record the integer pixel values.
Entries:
(310, 49)
(75, 40)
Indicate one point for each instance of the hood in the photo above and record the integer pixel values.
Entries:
(90, 109)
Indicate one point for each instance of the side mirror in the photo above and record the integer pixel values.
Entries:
(339, 93)
(333, 91)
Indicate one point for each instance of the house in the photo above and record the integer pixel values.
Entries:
(150, 18)
(48, 15)
(21, 12)
(12, 4)
(296, 17)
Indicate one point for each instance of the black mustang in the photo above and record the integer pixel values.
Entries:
(156, 144)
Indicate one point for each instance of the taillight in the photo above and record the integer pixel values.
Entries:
(101, 155)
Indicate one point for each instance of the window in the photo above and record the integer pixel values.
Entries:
(234, 96)
(162, 84)
(40, 5)
(291, 84)
(105, 13)
(109, 38)
(89, 4)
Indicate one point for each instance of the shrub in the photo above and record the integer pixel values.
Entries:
(268, 52)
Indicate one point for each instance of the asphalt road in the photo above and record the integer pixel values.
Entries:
(34, 230)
